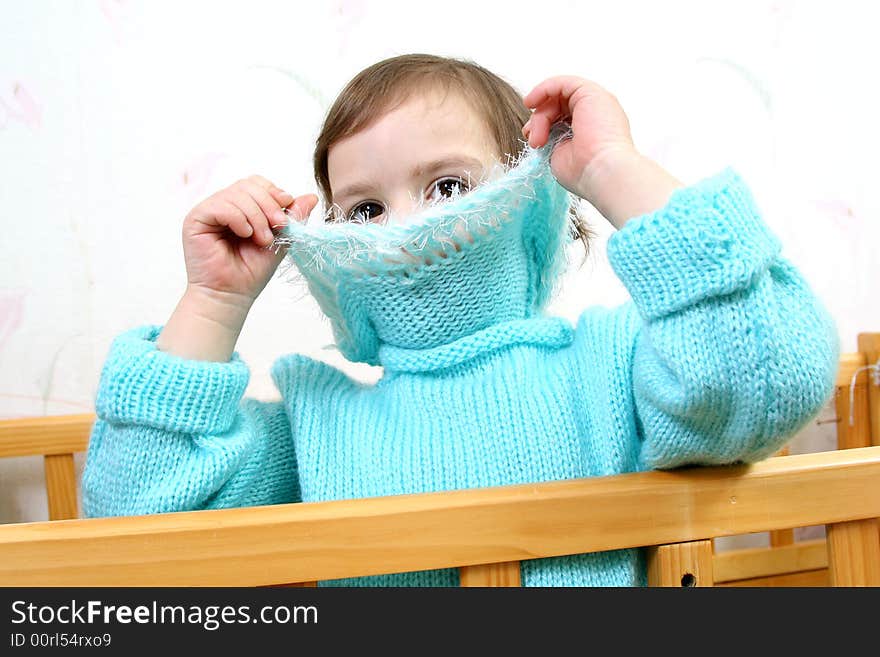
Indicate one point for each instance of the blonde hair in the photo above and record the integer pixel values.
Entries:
(382, 87)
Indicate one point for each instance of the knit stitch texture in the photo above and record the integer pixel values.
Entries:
(722, 354)
(492, 255)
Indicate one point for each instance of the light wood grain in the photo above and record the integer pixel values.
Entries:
(681, 564)
(765, 562)
(41, 436)
(857, 434)
(779, 537)
(803, 578)
(854, 553)
(847, 366)
(61, 486)
(490, 574)
(869, 345)
(349, 538)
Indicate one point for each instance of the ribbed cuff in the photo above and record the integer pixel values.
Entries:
(708, 240)
(142, 385)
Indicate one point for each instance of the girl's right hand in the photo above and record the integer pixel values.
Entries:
(225, 237)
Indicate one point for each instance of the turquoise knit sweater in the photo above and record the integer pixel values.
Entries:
(721, 355)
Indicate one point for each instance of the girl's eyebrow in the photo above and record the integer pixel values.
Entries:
(451, 162)
(424, 168)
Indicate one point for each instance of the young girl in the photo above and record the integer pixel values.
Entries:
(721, 355)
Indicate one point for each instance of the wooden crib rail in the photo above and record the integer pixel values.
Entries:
(45, 436)
(484, 532)
(56, 439)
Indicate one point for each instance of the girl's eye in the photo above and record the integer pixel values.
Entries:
(447, 188)
(366, 211)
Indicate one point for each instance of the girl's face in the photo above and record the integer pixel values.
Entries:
(432, 146)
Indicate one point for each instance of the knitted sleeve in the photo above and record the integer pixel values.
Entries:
(174, 434)
(735, 352)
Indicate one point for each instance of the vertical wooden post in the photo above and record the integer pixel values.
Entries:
(681, 564)
(491, 574)
(854, 553)
(859, 433)
(60, 486)
(780, 537)
(869, 344)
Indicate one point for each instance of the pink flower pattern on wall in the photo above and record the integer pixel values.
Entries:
(18, 105)
(11, 313)
(197, 174)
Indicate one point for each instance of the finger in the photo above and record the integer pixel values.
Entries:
(239, 197)
(283, 198)
(539, 125)
(560, 87)
(261, 181)
(212, 214)
(302, 207)
(235, 219)
(269, 206)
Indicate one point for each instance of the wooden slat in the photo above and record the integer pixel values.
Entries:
(780, 537)
(61, 486)
(490, 574)
(854, 553)
(869, 345)
(847, 366)
(350, 538)
(681, 564)
(41, 436)
(750, 563)
(857, 434)
(804, 578)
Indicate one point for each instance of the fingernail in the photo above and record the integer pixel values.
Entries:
(279, 217)
(286, 194)
(268, 236)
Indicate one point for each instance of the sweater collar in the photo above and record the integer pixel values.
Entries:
(458, 279)
(553, 332)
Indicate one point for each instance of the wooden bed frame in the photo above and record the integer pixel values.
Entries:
(484, 532)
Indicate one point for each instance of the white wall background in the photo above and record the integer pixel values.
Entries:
(117, 116)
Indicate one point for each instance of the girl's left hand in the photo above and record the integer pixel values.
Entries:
(600, 126)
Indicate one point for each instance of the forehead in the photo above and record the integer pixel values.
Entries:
(427, 125)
